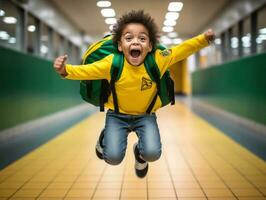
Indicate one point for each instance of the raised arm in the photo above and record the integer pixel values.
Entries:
(180, 52)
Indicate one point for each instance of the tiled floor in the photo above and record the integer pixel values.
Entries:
(198, 163)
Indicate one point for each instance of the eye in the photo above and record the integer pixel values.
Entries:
(128, 38)
(143, 39)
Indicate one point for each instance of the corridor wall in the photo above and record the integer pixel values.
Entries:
(238, 87)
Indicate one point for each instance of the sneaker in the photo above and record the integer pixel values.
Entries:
(141, 166)
(99, 146)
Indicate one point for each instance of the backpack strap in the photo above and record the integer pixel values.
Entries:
(154, 73)
(104, 93)
(116, 70)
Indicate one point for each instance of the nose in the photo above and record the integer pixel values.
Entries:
(135, 41)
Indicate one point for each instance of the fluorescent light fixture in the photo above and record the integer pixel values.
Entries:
(259, 41)
(169, 22)
(4, 35)
(175, 6)
(177, 40)
(218, 41)
(44, 49)
(168, 29)
(111, 27)
(172, 15)
(165, 40)
(10, 20)
(262, 31)
(262, 37)
(2, 13)
(172, 34)
(234, 40)
(108, 12)
(103, 4)
(246, 39)
(12, 40)
(31, 28)
(110, 20)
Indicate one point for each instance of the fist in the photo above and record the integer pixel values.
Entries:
(59, 65)
(209, 35)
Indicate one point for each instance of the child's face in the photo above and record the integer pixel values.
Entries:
(135, 43)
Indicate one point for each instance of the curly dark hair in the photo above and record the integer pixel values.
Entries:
(136, 17)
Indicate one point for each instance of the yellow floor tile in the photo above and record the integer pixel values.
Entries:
(161, 193)
(196, 193)
(160, 185)
(84, 185)
(54, 193)
(28, 193)
(35, 185)
(186, 185)
(135, 184)
(11, 184)
(247, 192)
(80, 193)
(134, 193)
(110, 185)
(105, 193)
(218, 193)
(7, 192)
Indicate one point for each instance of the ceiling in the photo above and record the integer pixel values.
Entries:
(195, 16)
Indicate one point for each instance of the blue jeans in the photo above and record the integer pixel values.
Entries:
(117, 128)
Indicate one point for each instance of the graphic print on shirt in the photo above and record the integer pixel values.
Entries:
(146, 84)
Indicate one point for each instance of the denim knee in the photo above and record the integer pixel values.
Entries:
(151, 155)
(113, 159)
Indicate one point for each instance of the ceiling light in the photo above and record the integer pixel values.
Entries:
(2, 13)
(262, 31)
(44, 49)
(172, 16)
(31, 28)
(12, 40)
(218, 41)
(172, 34)
(103, 4)
(4, 35)
(110, 20)
(111, 27)
(10, 20)
(177, 40)
(108, 12)
(168, 29)
(169, 23)
(175, 6)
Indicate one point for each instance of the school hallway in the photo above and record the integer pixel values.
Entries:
(213, 138)
(198, 162)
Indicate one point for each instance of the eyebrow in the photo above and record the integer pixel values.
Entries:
(140, 33)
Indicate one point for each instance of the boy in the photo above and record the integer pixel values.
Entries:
(135, 35)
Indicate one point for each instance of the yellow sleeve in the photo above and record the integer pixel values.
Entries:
(93, 71)
(170, 56)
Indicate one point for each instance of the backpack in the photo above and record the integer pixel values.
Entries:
(96, 92)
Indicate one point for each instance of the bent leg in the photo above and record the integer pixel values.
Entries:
(115, 138)
(149, 144)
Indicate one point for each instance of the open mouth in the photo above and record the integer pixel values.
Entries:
(135, 53)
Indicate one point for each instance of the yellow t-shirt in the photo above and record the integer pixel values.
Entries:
(135, 89)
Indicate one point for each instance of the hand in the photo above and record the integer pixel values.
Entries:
(209, 35)
(59, 65)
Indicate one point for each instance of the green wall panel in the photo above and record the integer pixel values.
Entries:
(238, 87)
(30, 88)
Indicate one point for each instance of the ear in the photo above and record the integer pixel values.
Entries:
(119, 46)
(150, 48)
